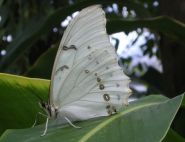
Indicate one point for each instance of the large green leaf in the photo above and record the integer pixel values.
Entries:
(172, 136)
(146, 120)
(19, 97)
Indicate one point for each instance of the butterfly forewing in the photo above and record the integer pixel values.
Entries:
(86, 78)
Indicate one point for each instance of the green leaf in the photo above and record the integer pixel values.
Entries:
(146, 120)
(179, 123)
(19, 97)
(169, 26)
(1, 2)
(43, 66)
(172, 136)
(183, 102)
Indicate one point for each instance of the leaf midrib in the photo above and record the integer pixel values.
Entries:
(111, 119)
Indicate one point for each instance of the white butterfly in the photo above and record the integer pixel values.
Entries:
(86, 80)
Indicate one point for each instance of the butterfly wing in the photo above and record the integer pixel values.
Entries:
(86, 79)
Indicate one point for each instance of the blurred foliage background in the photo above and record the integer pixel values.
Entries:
(30, 32)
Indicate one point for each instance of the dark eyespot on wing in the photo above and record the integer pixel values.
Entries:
(114, 109)
(108, 107)
(65, 47)
(89, 57)
(111, 109)
(86, 71)
(97, 62)
(73, 47)
(117, 85)
(101, 86)
(109, 112)
(106, 97)
(98, 79)
(70, 47)
(62, 68)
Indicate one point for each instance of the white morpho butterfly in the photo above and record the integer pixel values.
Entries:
(86, 80)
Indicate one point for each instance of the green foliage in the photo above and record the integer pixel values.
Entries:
(169, 26)
(183, 103)
(19, 98)
(43, 67)
(130, 124)
(172, 136)
(36, 28)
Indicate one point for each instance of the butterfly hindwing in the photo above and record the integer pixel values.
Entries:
(86, 78)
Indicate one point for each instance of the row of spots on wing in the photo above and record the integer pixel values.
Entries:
(106, 96)
(99, 82)
(109, 107)
(65, 66)
(89, 56)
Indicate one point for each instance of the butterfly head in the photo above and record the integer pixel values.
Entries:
(49, 109)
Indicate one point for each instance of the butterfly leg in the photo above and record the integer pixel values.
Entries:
(71, 123)
(35, 122)
(36, 118)
(46, 127)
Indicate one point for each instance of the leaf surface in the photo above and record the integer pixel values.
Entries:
(147, 119)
